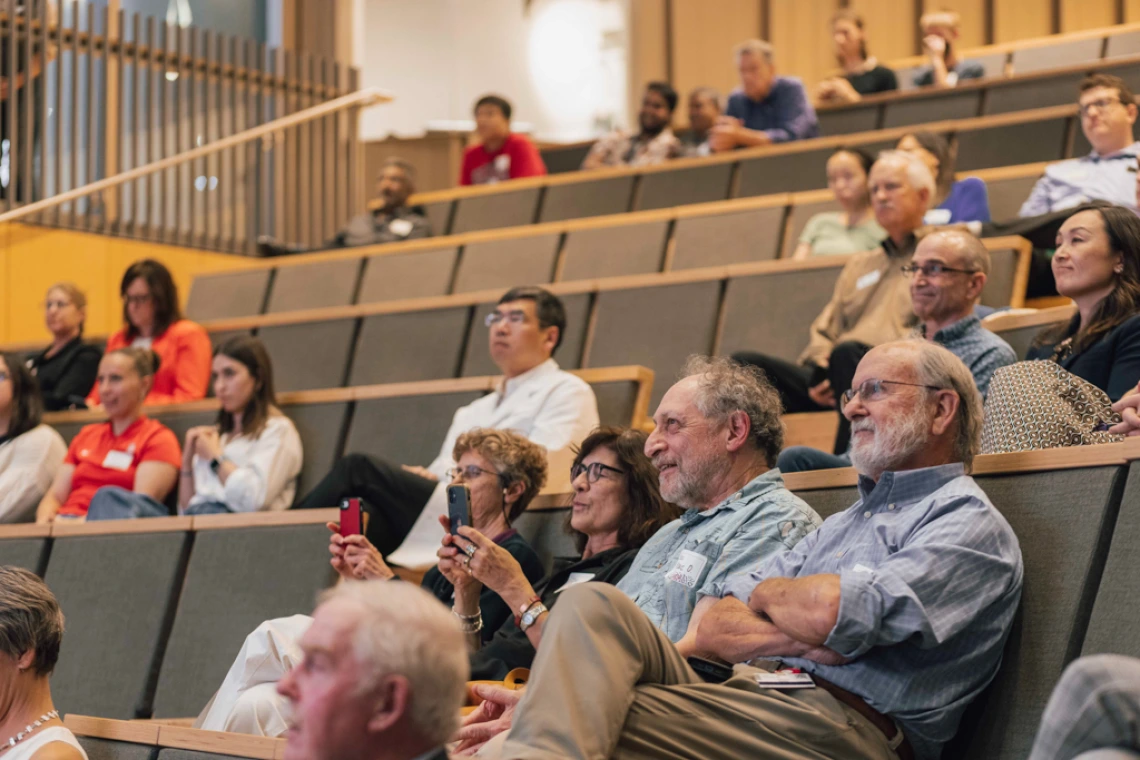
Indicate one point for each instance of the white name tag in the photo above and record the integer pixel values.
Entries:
(937, 216)
(118, 460)
(868, 279)
(688, 569)
(784, 680)
(574, 580)
(400, 227)
(861, 568)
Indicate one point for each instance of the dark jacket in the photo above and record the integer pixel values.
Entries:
(66, 378)
(374, 227)
(1111, 364)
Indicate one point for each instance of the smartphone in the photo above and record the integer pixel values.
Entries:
(458, 506)
(351, 517)
(710, 671)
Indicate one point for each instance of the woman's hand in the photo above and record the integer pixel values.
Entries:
(453, 565)
(355, 558)
(493, 716)
(496, 569)
(208, 444)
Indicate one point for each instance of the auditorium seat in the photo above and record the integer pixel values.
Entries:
(321, 427)
(1122, 45)
(657, 327)
(825, 501)
(592, 197)
(1002, 286)
(1007, 195)
(1011, 144)
(25, 546)
(509, 208)
(118, 592)
(309, 355)
(804, 207)
(228, 294)
(545, 531)
(680, 187)
(1056, 55)
(312, 286)
(1033, 93)
(402, 347)
(617, 402)
(614, 251)
(407, 429)
(439, 214)
(1019, 329)
(415, 274)
(752, 324)
(737, 237)
(792, 172)
(112, 749)
(1114, 627)
(848, 119)
(938, 106)
(477, 358)
(236, 579)
(507, 262)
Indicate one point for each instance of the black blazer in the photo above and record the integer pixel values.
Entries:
(1111, 364)
(66, 378)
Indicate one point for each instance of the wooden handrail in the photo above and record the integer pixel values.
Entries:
(360, 98)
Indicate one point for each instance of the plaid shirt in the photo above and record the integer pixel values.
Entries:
(622, 148)
(757, 522)
(930, 577)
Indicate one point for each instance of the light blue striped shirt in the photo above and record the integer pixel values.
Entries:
(1066, 184)
(695, 554)
(930, 578)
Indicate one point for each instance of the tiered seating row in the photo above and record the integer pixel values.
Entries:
(108, 739)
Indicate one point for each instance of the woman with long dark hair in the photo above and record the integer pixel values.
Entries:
(249, 459)
(30, 452)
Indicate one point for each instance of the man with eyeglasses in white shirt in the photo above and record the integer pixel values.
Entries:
(536, 398)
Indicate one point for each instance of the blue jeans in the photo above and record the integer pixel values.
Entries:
(115, 503)
(208, 508)
(805, 458)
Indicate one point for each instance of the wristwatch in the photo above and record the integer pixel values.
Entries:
(215, 463)
(531, 615)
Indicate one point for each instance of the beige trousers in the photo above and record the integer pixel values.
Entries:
(608, 684)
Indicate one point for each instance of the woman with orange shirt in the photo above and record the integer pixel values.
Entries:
(134, 455)
(153, 320)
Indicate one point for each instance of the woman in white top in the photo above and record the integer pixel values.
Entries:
(30, 452)
(249, 460)
(31, 630)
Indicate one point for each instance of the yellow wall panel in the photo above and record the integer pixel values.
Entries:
(1087, 14)
(1131, 11)
(702, 42)
(891, 27)
(973, 14)
(1022, 19)
(800, 33)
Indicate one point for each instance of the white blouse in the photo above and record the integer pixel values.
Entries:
(28, 464)
(42, 737)
(266, 474)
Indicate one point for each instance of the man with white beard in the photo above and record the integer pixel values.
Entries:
(868, 639)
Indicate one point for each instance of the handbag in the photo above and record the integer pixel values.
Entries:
(1040, 405)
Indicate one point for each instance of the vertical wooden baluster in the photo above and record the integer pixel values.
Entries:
(146, 145)
(76, 119)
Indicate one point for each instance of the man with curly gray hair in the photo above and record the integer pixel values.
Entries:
(716, 437)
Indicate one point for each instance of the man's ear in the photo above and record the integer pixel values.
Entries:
(977, 284)
(550, 338)
(739, 428)
(392, 697)
(948, 403)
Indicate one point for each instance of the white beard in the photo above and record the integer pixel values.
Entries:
(888, 448)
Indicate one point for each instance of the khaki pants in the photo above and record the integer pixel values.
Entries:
(608, 684)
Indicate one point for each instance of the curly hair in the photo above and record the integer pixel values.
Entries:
(516, 459)
(727, 387)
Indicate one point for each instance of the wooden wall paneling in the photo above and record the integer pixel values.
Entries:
(1087, 14)
(800, 33)
(648, 49)
(702, 43)
(437, 157)
(973, 13)
(1022, 19)
(1131, 11)
(891, 27)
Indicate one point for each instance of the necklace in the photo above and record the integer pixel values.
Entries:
(13, 741)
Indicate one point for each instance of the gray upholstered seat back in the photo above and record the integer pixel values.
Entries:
(117, 592)
(783, 173)
(321, 429)
(228, 294)
(414, 345)
(110, 749)
(404, 429)
(614, 251)
(940, 106)
(616, 402)
(545, 531)
(736, 238)
(28, 553)
(1115, 624)
(309, 355)
(846, 121)
(494, 210)
(505, 263)
(1002, 279)
(1016, 96)
(679, 187)
(439, 214)
(314, 286)
(236, 579)
(830, 501)
(1020, 338)
(1007, 195)
(417, 274)
(1011, 144)
(594, 197)
(1056, 55)
(477, 360)
(655, 327)
(1122, 45)
(771, 313)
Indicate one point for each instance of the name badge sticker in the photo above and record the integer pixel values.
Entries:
(784, 679)
(118, 460)
(937, 216)
(868, 280)
(574, 580)
(400, 227)
(688, 568)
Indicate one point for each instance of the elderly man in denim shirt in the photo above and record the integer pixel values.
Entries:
(867, 640)
(717, 433)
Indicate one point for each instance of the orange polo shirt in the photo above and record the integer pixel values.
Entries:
(102, 458)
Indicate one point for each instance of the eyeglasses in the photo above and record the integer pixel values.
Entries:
(514, 317)
(1099, 105)
(872, 390)
(137, 300)
(933, 269)
(468, 473)
(594, 471)
(49, 305)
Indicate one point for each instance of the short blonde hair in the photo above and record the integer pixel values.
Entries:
(515, 458)
(940, 18)
(404, 630)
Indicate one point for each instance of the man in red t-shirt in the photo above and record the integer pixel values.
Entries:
(501, 154)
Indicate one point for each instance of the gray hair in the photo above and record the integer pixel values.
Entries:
(755, 47)
(711, 93)
(408, 169)
(938, 367)
(405, 631)
(917, 173)
(30, 619)
(726, 387)
(974, 254)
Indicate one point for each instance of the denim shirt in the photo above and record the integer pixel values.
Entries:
(692, 556)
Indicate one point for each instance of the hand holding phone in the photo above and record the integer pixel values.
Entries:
(351, 517)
